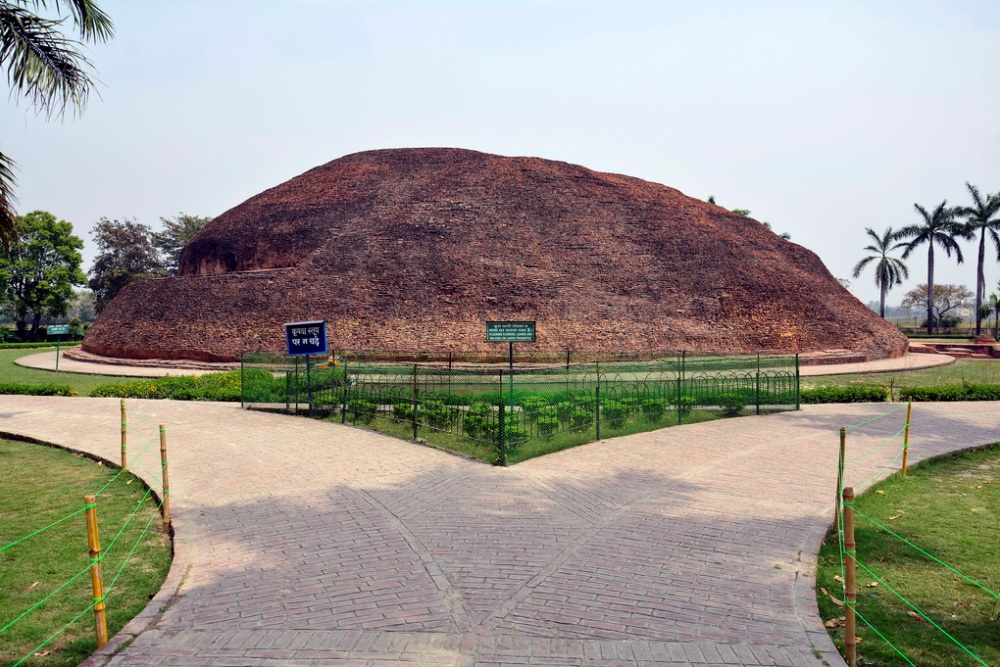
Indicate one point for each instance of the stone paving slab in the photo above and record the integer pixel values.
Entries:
(300, 542)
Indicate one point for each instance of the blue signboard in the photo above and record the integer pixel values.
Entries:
(304, 338)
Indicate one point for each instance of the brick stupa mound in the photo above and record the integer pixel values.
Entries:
(415, 249)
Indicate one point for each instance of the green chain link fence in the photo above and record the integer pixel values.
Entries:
(501, 415)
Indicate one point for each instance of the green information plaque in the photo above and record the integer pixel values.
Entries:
(510, 332)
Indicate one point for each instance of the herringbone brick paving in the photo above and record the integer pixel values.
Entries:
(306, 543)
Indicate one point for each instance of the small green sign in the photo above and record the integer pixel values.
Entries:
(58, 329)
(510, 332)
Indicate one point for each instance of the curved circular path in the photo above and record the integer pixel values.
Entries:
(306, 543)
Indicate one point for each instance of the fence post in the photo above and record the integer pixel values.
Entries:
(243, 384)
(124, 438)
(165, 479)
(798, 382)
(680, 418)
(597, 409)
(758, 383)
(840, 477)
(96, 580)
(501, 431)
(415, 403)
(906, 436)
(850, 580)
(343, 395)
(288, 391)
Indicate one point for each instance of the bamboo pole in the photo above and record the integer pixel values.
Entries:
(166, 479)
(96, 580)
(906, 436)
(850, 580)
(124, 438)
(840, 477)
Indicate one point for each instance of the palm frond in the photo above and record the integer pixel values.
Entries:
(42, 63)
(8, 217)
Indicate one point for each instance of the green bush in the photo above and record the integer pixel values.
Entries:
(209, 387)
(362, 410)
(684, 405)
(547, 425)
(615, 412)
(403, 411)
(476, 422)
(732, 404)
(9, 344)
(849, 394)
(653, 409)
(36, 389)
(965, 392)
(580, 418)
(436, 414)
(533, 405)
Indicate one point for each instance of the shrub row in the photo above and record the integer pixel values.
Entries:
(31, 346)
(964, 392)
(209, 387)
(852, 394)
(37, 389)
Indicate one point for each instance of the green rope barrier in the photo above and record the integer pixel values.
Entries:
(42, 530)
(885, 443)
(874, 478)
(936, 560)
(922, 614)
(138, 506)
(876, 418)
(55, 634)
(46, 598)
(885, 639)
(128, 557)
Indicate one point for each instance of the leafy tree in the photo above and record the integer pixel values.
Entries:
(984, 216)
(889, 271)
(46, 66)
(40, 271)
(177, 233)
(939, 228)
(945, 299)
(992, 307)
(125, 253)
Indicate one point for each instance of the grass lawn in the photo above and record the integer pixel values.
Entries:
(950, 508)
(81, 383)
(974, 371)
(38, 486)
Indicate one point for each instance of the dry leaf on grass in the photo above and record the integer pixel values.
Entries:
(894, 517)
(839, 578)
(880, 492)
(873, 584)
(834, 600)
(917, 616)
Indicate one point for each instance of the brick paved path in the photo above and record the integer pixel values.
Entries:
(305, 543)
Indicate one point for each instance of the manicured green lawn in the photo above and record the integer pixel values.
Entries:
(81, 383)
(40, 485)
(974, 371)
(950, 508)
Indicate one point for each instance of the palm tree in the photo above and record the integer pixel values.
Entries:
(46, 66)
(983, 216)
(941, 228)
(991, 306)
(889, 271)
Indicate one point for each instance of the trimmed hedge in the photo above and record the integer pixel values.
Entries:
(209, 387)
(964, 392)
(37, 389)
(852, 394)
(31, 346)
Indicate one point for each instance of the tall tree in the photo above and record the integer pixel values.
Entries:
(40, 271)
(939, 228)
(983, 216)
(177, 233)
(992, 306)
(889, 271)
(125, 252)
(46, 66)
(946, 299)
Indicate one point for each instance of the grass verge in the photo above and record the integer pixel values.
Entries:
(40, 485)
(78, 382)
(972, 371)
(950, 508)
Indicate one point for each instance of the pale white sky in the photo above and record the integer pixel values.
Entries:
(822, 118)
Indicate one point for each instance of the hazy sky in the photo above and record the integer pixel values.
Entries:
(822, 118)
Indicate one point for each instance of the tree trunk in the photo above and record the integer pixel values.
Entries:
(980, 282)
(35, 321)
(930, 287)
(881, 302)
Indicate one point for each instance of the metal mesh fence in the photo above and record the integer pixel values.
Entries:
(501, 415)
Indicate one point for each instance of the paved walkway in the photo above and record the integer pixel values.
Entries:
(47, 361)
(300, 542)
